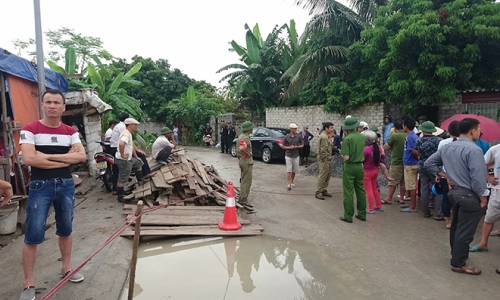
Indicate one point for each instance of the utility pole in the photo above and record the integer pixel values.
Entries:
(39, 55)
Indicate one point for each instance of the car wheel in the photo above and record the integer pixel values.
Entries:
(233, 150)
(266, 155)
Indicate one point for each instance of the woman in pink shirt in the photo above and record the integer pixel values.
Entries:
(373, 159)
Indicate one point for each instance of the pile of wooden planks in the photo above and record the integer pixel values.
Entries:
(180, 181)
(177, 184)
(187, 221)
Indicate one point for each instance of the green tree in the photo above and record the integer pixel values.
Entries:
(421, 53)
(257, 79)
(192, 110)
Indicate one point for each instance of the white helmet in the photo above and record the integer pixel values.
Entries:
(371, 136)
(364, 125)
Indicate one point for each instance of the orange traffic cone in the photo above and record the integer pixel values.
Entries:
(230, 248)
(230, 221)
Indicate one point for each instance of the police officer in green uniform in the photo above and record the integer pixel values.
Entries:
(352, 176)
(245, 157)
(324, 161)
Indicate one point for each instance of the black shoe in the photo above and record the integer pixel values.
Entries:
(326, 194)
(140, 178)
(318, 196)
(498, 271)
(120, 192)
(359, 218)
(345, 220)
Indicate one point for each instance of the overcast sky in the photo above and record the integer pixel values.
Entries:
(192, 34)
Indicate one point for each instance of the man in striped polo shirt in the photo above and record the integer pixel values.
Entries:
(49, 147)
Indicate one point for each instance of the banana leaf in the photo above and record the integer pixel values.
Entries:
(97, 80)
(55, 67)
(70, 58)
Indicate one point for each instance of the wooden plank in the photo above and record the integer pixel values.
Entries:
(187, 220)
(201, 171)
(168, 176)
(213, 230)
(199, 181)
(143, 188)
(159, 181)
(154, 188)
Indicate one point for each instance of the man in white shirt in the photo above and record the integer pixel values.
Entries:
(162, 147)
(109, 132)
(115, 140)
(127, 159)
(492, 158)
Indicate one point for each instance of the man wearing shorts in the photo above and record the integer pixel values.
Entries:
(410, 162)
(49, 147)
(396, 144)
(292, 143)
(127, 159)
(492, 158)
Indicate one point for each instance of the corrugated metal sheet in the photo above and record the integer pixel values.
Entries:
(490, 110)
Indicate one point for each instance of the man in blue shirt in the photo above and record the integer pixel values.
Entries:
(386, 131)
(410, 162)
(482, 144)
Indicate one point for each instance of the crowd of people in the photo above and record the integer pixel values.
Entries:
(449, 171)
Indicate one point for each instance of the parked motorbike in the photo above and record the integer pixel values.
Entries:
(104, 163)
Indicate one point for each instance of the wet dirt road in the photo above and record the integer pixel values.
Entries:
(306, 252)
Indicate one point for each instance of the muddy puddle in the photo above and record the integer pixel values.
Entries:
(232, 268)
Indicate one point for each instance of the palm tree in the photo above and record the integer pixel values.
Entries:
(323, 61)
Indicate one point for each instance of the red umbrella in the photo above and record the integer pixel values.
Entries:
(489, 127)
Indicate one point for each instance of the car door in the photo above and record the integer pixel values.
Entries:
(257, 140)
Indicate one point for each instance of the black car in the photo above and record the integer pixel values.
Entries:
(266, 143)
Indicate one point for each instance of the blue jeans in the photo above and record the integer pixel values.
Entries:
(176, 138)
(42, 193)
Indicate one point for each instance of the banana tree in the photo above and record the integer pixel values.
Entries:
(257, 78)
(69, 67)
(111, 87)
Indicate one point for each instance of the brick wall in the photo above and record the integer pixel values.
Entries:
(313, 116)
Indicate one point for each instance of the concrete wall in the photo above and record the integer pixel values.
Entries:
(151, 127)
(314, 116)
(446, 110)
(236, 122)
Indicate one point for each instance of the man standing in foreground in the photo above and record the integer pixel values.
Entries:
(245, 157)
(410, 163)
(49, 147)
(396, 144)
(127, 159)
(466, 176)
(162, 147)
(324, 161)
(353, 174)
(292, 143)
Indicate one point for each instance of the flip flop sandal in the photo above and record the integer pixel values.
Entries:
(466, 270)
(386, 202)
(495, 233)
(404, 205)
(476, 248)
(439, 219)
(408, 210)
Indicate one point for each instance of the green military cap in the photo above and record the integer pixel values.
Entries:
(247, 126)
(351, 123)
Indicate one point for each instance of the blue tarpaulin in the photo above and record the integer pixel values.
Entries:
(23, 68)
